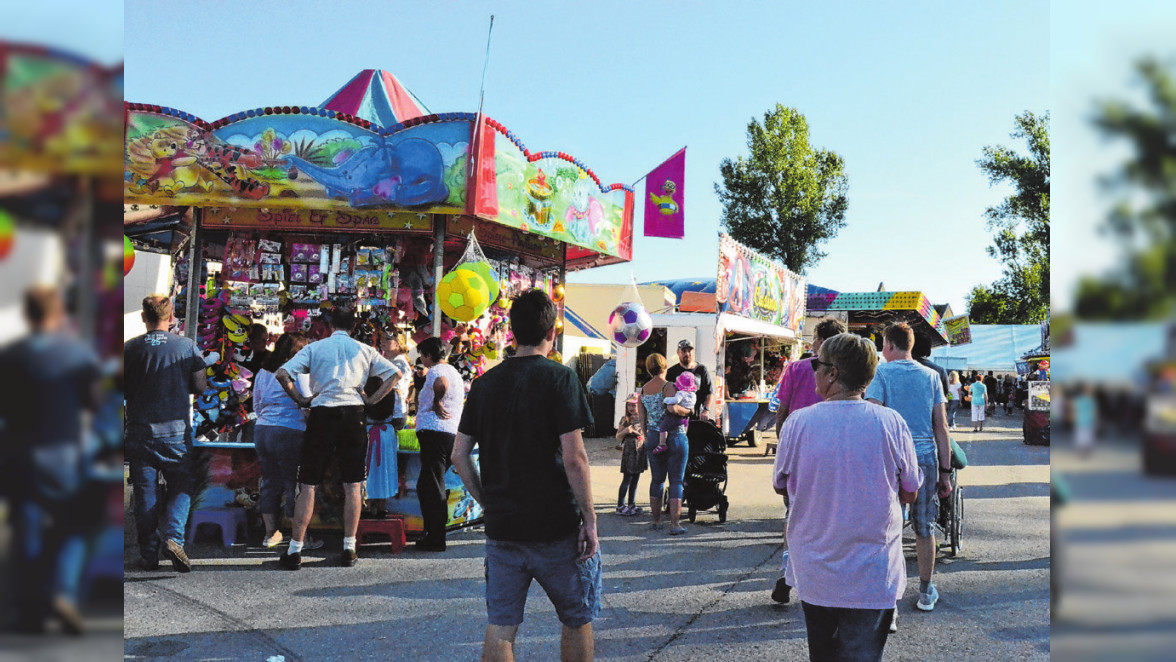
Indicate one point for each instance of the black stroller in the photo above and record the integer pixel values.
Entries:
(706, 470)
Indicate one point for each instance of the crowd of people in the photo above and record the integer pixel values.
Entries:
(859, 441)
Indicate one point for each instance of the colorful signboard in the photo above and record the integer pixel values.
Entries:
(58, 113)
(553, 195)
(1039, 396)
(959, 330)
(755, 286)
(294, 158)
(317, 220)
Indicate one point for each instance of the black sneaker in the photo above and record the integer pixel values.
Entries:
(783, 592)
(288, 561)
(348, 558)
(174, 551)
(428, 546)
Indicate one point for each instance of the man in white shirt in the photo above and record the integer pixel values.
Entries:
(338, 367)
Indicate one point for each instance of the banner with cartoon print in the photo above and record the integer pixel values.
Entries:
(554, 196)
(959, 331)
(294, 160)
(755, 286)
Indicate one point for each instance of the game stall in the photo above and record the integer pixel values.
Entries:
(743, 325)
(423, 222)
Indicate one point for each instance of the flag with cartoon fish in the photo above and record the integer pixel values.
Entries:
(665, 191)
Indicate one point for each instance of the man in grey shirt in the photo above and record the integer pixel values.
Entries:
(338, 367)
(162, 371)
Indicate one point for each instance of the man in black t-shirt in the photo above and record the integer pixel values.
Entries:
(534, 486)
(162, 372)
(686, 362)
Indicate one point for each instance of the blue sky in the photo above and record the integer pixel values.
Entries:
(908, 95)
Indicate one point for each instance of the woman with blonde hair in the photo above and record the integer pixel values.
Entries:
(953, 397)
(670, 464)
(849, 461)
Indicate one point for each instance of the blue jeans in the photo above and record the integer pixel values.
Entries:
(51, 552)
(671, 463)
(160, 509)
(278, 451)
(952, 407)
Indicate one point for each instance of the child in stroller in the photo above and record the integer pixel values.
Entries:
(687, 385)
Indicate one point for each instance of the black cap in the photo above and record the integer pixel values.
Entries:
(685, 344)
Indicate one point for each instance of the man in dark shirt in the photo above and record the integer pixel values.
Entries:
(686, 362)
(990, 384)
(162, 371)
(258, 345)
(525, 416)
(51, 378)
(921, 353)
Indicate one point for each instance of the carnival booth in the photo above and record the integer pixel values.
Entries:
(866, 313)
(423, 222)
(744, 325)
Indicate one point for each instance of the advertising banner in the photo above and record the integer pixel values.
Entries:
(959, 331)
(754, 286)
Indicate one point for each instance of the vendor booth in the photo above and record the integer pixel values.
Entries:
(367, 200)
(865, 313)
(743, 329)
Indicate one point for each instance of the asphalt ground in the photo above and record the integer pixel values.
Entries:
(1116, 556)
(701, 596)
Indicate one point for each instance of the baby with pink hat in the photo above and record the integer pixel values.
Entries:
(687, 385)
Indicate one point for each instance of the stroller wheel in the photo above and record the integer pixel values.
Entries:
(722, 511)
(692, 513)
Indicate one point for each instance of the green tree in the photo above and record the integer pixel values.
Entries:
(1144, 218)
(1020, 226)
(785, 198)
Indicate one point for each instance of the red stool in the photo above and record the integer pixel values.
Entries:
(228, 520)
(393, 527)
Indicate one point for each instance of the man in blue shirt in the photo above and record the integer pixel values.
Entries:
(915, 392)
(162, 371)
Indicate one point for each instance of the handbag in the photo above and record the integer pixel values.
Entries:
(959, 460)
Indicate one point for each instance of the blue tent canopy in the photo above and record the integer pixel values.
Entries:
(995, 347)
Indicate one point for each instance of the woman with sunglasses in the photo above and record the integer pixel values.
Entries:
(848, 461)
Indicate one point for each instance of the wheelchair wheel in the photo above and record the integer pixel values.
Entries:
(956, 533)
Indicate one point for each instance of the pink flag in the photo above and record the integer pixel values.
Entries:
(665, 191)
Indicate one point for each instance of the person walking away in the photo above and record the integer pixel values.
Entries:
(1010, 392)
(921, 353)
(1085, 419)
(702, 409)
(954, 388)
(991, 390)
(162, 372)
(916, 393)
(436, 426)
(338, 367)
(633, 462)
(843, 460)
(671, 464)
(525, 416)
(281, 426)
(52, 378)
(979, 403)
(797, 390)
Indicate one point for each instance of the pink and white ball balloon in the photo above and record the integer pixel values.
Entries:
(630, 324)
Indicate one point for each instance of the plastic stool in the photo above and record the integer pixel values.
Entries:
(227, 519)
(393, 527)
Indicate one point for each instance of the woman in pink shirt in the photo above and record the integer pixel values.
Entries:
(846, 465)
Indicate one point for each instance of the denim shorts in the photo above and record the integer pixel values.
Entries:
(925, 510)
(573, 587)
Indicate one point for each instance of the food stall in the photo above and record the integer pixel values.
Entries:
(865, 313)
(366, 200)
(744, 324)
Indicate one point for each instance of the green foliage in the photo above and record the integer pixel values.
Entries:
(1145, 215)
(308, 150)
(785, 198)
(1020, 227)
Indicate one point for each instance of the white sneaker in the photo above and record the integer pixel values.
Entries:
(927, 600)
(894, 621)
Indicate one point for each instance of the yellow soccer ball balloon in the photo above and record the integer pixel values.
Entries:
(484, 270)
(463, 295)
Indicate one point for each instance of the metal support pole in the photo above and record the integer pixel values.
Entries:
(195, 266)
(88, 256)
(563, 276)
(438, 268)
